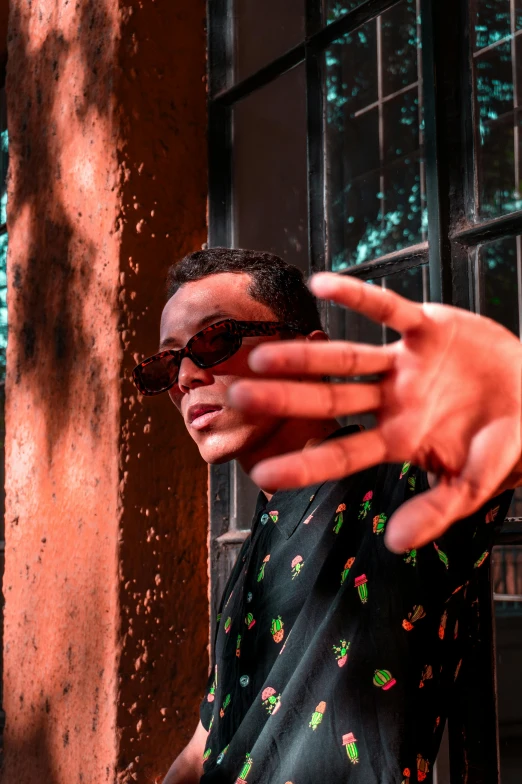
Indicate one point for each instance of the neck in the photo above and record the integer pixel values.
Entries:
(291, 435)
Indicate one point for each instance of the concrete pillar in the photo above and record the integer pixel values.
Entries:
(106, 622)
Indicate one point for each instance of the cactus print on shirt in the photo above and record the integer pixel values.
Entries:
(335, 658)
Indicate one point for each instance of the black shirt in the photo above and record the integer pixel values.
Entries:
(335, 658)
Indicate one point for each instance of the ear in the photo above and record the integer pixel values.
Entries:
(317, 334)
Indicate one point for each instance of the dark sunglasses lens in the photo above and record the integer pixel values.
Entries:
(159, 375)
(214, 347)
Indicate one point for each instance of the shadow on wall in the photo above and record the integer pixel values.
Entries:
(59, 676)
(65, 296)
(51, 267)
(37, 742)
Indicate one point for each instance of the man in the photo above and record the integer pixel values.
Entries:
(334, 656)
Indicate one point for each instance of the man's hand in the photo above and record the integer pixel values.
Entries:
(449, 400)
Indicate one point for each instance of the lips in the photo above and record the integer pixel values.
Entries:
(199, 410)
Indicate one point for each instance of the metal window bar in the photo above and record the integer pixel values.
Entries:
(315, 147)
(315, 43)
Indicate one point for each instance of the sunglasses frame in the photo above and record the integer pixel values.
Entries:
(238, 330)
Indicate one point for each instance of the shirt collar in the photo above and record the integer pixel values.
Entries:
(287, 508)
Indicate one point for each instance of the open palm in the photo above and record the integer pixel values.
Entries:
(448, 399)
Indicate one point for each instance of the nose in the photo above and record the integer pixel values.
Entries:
(191, 376)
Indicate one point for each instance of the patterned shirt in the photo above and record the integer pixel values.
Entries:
(334, 659)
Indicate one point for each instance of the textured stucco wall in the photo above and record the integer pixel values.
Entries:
(105, 582)
(164, 521)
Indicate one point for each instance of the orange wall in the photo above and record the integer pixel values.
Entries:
(163, 550)
(105, 647)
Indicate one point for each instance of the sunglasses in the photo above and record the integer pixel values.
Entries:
(206, 349)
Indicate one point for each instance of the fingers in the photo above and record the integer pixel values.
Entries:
(381, 305)
(334, 459)
(430, 514)
(301, 399)
(333, 359)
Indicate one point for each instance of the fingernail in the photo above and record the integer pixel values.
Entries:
(258, 360)
(396, 544)
(256, 475)
(318, 279)
(240, 396)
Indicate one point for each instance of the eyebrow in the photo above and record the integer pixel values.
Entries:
(172, 342)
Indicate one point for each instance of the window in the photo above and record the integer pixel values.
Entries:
(381, 138)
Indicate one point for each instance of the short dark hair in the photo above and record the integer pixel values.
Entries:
(275, 283)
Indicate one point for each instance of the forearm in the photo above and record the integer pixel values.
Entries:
(187, 768)
(183, 771)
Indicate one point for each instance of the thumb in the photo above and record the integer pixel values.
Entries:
(425, 517)
(491, 456)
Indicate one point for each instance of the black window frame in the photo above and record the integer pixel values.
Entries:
(454, 232)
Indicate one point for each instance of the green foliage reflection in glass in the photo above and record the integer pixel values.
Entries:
(500, 283)
(497, 61)
(493, 21)
(373, 138)
(3, 250)
(333, 10)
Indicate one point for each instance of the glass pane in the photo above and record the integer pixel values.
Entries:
(263, 30)
(507, 586)
(375, 171)
(497, 71)
(401, 125)
(334, 9)
(346, 324)
(497, 188)
(399, 47)
(409, 283)
(494, 82)
(492, 22)
(269, 170)
(499, 281)
(515, 510)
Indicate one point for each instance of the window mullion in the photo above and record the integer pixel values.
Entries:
(314, 17)
(315, 155)
(315, 148)
(437, 196)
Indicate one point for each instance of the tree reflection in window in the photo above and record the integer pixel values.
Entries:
(375, 169)
(333, 9)
(497, 59)
(498, 282)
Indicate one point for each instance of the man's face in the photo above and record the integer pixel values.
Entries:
(220, 432)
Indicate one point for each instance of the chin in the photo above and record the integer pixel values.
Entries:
(221, 447)
(218, 453)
